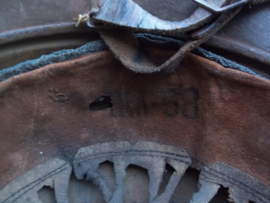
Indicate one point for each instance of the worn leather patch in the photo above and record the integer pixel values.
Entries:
(149, 155)
(215, 114)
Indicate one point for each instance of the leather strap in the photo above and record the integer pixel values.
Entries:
(128, 14)
(125, 47)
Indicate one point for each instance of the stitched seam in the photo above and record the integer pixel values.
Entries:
(204, 165)
(236, 181)
(41, 179)
(239, 184)
(119, 154)
(231, 180)
(255, 195)
(127, 151)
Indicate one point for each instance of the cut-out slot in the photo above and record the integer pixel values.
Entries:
(169, 170)
(107, 169)
(46, 194)
(222, 196)
(101, 103)
(251, 201)
(136, 185)
(187, 186)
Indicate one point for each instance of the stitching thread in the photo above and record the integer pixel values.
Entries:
(238, 184)
(128, 151)
(139, 151)
(39, 180)
(231, 180)
(120, 154)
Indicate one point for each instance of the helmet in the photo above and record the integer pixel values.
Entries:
(144, 101)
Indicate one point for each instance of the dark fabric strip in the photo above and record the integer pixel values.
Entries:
(99, 45)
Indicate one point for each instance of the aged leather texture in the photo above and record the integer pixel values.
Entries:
(214, 113)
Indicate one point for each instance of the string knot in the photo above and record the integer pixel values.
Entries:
(81, 19)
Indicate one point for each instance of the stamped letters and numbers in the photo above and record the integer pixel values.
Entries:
(170, 103)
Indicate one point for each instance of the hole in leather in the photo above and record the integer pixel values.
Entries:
(222, 196)
(136, 185)
(251, 201)
(101, 103)
(46, 194)
(187, 186)
(169, 170)
(107, 169)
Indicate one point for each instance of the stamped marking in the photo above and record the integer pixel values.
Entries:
(170, 103)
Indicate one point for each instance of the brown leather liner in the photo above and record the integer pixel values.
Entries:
(216, 114)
